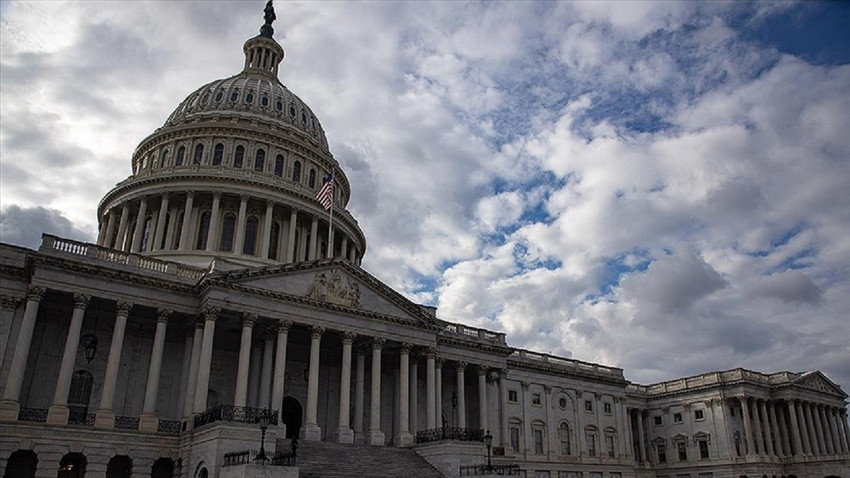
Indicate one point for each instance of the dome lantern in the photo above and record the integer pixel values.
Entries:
(262, 53)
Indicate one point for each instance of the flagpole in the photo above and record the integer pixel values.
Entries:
(331, 219)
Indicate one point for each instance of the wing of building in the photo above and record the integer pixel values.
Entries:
(222, 311)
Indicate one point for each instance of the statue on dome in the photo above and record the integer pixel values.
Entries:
(268, 15)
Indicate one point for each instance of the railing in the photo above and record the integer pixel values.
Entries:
(527, 356)
(229, 413)
(126, 423)
(36, 415)
(81, 418)
(449, 433)
(489, 470)
(247, 457)
(169, 427)
(475, 333)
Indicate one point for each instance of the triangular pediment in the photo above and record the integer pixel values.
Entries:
(328, 283)
(818, 382)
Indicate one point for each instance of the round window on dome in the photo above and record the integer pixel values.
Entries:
(562, 402)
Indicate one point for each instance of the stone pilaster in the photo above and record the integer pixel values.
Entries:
(148, 422)
(58, 413)
(311, 430)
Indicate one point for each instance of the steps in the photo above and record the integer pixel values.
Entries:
(333, 460)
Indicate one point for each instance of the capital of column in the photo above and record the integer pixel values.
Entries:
(270, 203)
(431, 352)
(199, 322)
(216, 194)
(548, 389)
(439, 362)
(164, 195)
(482, 370)
(244, 198)
(190, 194)
(35, 293)
(525, 385)
(210, 313)
(249, 319)
(81, 301)
(316, 331)
(348, 337)
(284, 326)
(122, 307)
(162, 315)
(8, 302)
(361, 349)
(404, 348)
(461, 366)
(503, 373)
(378, 343)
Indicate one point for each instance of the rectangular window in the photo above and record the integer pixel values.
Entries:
(590, 438)
(683, 451)
(588, 405)
(731, 411)
(677, 418)
(607, 408)
(656, 420)
(699, 414)
(609, 443)
(703, 450)
(535, 399)
(512, 396)
(538, 441)
(662, 453)
(515, 438)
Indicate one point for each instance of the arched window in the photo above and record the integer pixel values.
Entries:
(218, 152)
(260, 160)
(590, 439)
(203, 231)
(163, 156)
(249, 98)
(21, 464)
(311, 181)
(564, 438)
(239, 156)
(146, 234)
(219, 96)
(265, 101)
(292, 109)
(274, 240)
(72, 465)
(228, 228)
(120, 466)
(250, 245)
(296, 172)
(181, 151)
(234, 96)
(199, 154)
(278, 166)
(279, 106)
(162, 468)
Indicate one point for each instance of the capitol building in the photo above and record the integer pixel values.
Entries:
(225, 287)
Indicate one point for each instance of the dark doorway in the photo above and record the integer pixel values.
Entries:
(21, 464)
(72, 465)
(290, 414)
(162, 468)
(120, 466)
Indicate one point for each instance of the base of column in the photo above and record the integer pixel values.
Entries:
(377, 438)
(360, 438)
(148, 423)
(311, 433)
(58, 415)
(404, 440)
(345, 435)
(104, 420)
(9, 410)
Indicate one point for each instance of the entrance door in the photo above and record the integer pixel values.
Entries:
(290, 414)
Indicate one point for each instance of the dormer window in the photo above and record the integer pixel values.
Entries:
(292, 110)
(234, 96)
(279, 106)
(219, 96)
(265, 101)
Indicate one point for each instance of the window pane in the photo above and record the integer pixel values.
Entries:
(228, 227)
(250, 236)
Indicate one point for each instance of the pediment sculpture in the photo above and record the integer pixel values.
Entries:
(335, 288)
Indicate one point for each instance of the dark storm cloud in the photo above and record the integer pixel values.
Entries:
(24, 226)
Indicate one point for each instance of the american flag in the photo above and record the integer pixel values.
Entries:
(326, 192)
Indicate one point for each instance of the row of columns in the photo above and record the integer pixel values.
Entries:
(117, 231)
(793, 427)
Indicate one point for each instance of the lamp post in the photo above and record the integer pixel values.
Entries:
(488, 440)
(264, 419)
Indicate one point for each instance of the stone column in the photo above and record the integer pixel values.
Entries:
(8, 306)
(825, 431)
(842, 429)
(241, 395)
(503, 412)
(105, 418)
(139, 233)
(774, 425)
(186, 228)
(404, 438)
(461, 395)
(430, 392)
(194, 364)
(290, 242)
(58, 413)
(758, 431)
(205, 361)
(212, 233)
(266, 378)
(821, 438)
(109, 230)
(148, 422)
(239, 243)
(255, 370)
(120, 238)
(804, 429)
(160, 223)
(344, 433)
(314, 240)
(414, 394)
(550, 422)
(311, 430)
(438, 391)
(280, 366)
(265, 238)
(628, 434)
(482, 397)
(748, 427)
(376, 436)
(829, 412)
(343, 247)
(796, 443)
(641, 435)
(526, 419)
(359, 385)
(810, 427)
(188, 339)
(839, 430)
(768, 442)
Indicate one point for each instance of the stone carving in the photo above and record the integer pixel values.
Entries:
(335, 289)
(817, 383)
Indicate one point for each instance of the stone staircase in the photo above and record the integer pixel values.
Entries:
(333, 460)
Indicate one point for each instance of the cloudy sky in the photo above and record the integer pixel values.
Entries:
(663, 187)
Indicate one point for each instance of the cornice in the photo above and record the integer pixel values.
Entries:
(553, 370)
(472, 344)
